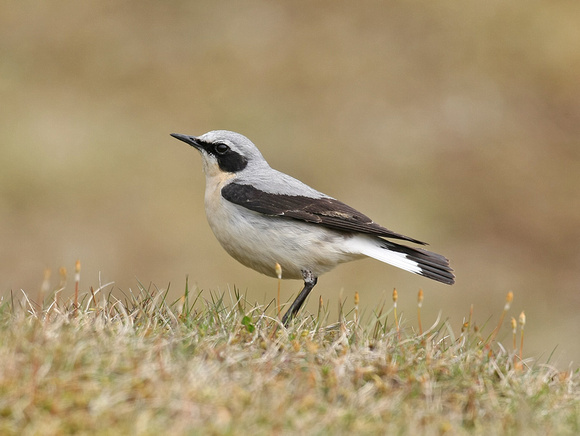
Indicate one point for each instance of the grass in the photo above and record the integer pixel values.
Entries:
(215, 364)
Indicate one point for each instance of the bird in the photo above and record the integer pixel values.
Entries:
(266, 219)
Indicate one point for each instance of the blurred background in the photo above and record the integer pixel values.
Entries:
(457, 124)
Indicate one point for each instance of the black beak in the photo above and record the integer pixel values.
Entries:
(191, 140)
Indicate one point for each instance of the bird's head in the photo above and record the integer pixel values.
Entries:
(223, 151)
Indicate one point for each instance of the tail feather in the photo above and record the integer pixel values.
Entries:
(415, 260)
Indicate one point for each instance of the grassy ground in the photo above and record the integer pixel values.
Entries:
(206, 364)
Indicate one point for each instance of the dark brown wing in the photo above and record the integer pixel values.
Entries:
(325, 211)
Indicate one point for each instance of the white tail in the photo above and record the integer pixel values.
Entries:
(415, 260)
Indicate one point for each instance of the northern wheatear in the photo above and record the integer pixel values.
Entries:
(263, 217)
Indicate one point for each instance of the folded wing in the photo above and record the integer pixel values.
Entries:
(325, 211)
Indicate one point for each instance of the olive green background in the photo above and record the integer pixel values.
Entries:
(452, 122)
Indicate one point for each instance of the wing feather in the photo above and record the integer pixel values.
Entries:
(325, 211)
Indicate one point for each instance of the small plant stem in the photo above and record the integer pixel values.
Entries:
(77, 280)
(395, 298)
(522, 325)
(419, 304)
(44, 288)
(508, 302)
(356, 301)
(514, 331)
(279, 274)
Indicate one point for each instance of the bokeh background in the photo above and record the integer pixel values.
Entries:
(458, 124)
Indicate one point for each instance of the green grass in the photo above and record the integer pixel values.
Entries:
(215, 364)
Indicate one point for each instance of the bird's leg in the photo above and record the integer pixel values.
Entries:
(309, 283)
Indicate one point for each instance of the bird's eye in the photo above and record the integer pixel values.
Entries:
(221, 148)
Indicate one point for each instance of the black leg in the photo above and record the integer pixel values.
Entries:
(309, 283)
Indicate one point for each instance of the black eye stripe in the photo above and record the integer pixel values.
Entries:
(231, 162)
(228, 160)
